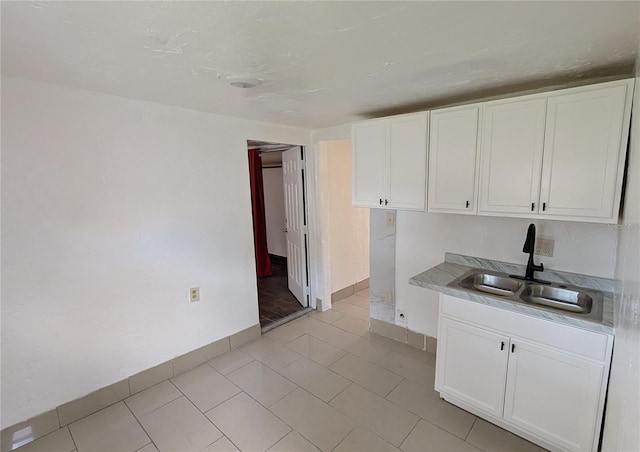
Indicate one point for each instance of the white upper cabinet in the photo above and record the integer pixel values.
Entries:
(389, 162)
(585, 144)
(369, 140)
(453, 143)
(557, 155)
(511, 156)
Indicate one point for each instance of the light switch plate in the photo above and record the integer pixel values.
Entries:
(388, 296)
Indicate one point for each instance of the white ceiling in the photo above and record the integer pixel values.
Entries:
(322, 63)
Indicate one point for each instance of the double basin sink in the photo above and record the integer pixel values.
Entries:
(571, 300)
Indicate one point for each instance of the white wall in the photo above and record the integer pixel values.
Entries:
(423, 238)
(623, 405)
(349, 226)
(111, 209)
(274, 211)
(345, 229)
(318, 241)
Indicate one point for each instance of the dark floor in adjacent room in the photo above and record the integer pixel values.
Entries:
(274, 299)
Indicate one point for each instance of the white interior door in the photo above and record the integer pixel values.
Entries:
(295, 228)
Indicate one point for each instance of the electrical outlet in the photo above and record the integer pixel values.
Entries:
(388, 296)
(391, 219)
(194, 294)
(401, 316)
(544, 247)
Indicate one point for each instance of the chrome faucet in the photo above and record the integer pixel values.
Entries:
(530, 247)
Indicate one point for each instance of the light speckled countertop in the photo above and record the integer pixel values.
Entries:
(456, 265)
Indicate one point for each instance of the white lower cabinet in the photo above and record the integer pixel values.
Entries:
(539, 379)
(466, 347)
(553, 394)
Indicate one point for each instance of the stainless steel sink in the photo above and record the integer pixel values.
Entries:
(493, 284)
(555, 297)
(573, 301)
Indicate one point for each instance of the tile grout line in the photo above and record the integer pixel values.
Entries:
(282, 437)
(72, 438)
(71, 435)
(244, 365)
(292, 429)
(97, 411)
(218, 439)
(382, 357)
(380, 367)
(283, 376)
(394, 388)
(469, 432)
(346, 387)
(295, 431)
(194, 404)
(358, 424)
(225, 436)
(161, 406)
(410, 432)
(324, 342)
(142, 426)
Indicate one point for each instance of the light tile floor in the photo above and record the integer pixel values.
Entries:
(321, 382)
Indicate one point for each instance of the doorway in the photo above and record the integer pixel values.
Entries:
(280, 231)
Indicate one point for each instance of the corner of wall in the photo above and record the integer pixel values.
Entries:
(623, 401)
(382, 265)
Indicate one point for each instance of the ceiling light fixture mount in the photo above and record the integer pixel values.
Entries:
(242, 82)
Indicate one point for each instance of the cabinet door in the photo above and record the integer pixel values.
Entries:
(453, 142)
(585, 141)
(553, 395)
(369, 141)
(511, 157)
(472, 365)
(407, 162)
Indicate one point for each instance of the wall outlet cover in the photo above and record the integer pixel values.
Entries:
(544, 247)
(388, 296)
(401, 316)
(194, 294)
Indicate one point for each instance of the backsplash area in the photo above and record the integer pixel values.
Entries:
(422, 239)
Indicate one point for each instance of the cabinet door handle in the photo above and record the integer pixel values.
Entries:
(386, 201)
(544, 206)
(532, 206)
(513, 348)
(380, 201)
(467, 204)
(501, 345)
